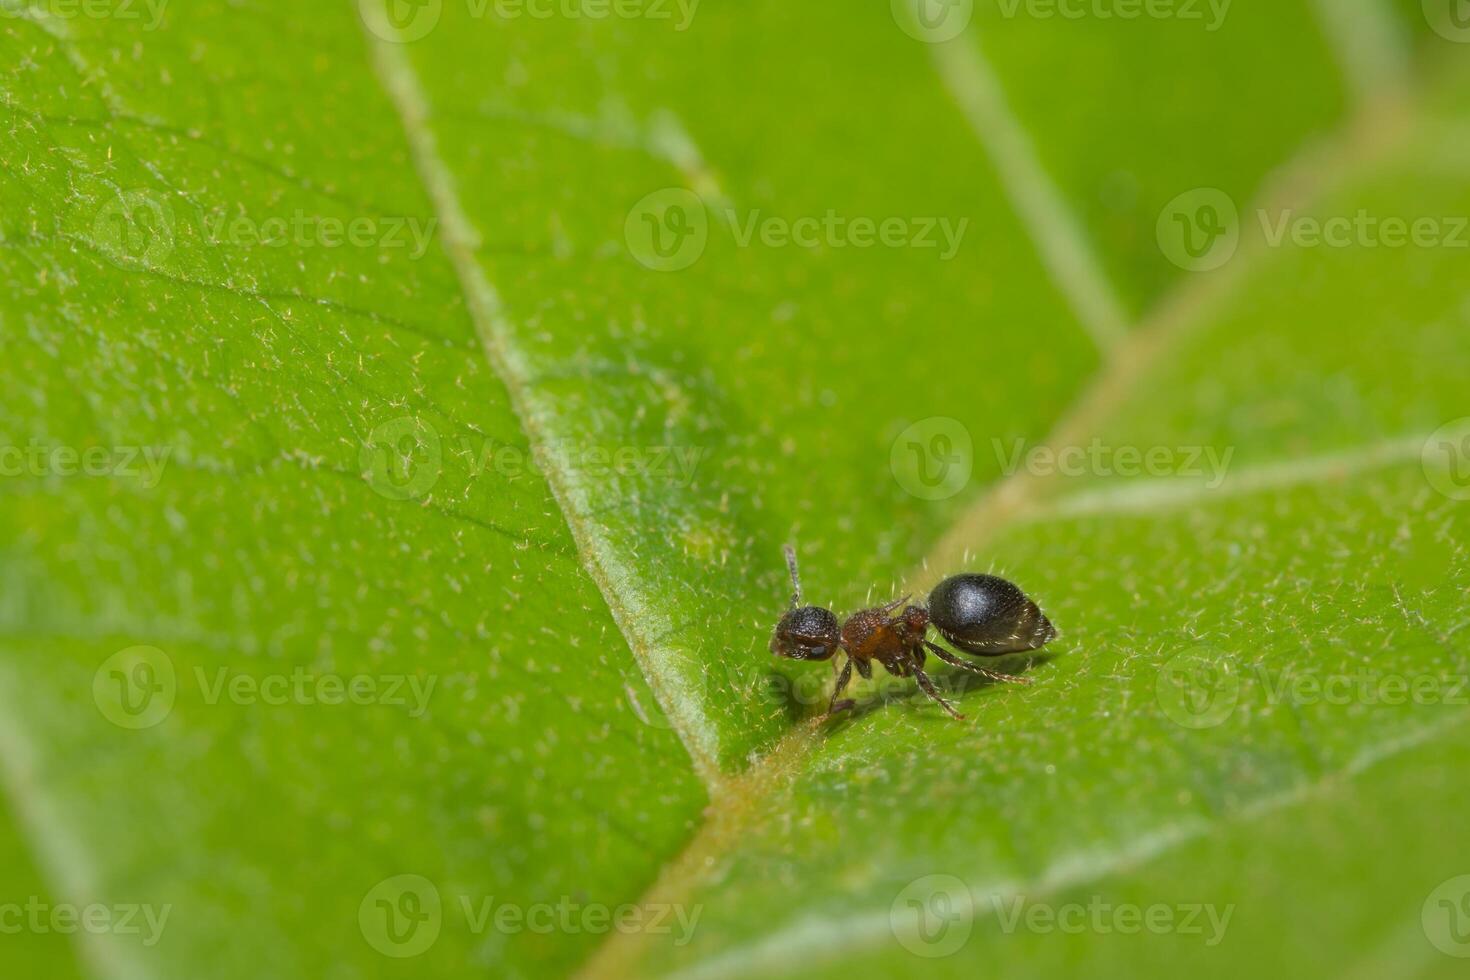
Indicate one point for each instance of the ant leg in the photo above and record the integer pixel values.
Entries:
(928, 687)
(834, 705)
(994, 675)
(864, 668)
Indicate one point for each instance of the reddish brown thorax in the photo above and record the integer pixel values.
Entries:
(870, 635)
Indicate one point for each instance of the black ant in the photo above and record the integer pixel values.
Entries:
(979, 614)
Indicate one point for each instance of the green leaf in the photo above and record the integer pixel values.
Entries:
(469, 367)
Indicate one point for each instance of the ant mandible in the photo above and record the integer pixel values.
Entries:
(979, 614)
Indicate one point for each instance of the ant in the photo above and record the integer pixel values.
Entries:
(980, 614)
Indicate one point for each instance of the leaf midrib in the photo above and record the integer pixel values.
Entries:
(401, 83)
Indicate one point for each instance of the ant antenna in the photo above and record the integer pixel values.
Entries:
(790, 553)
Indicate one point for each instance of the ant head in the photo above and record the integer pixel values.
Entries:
(805, 632)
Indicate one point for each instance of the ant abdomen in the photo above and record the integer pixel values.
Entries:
(986, 615)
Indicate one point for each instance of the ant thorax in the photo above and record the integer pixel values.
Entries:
(870, 635)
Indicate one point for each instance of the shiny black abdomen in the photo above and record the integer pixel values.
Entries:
(986, 615)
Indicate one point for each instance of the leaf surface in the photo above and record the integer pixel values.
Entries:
(494, 454)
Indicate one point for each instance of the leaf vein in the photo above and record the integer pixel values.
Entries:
(1055, 229)
(633, 612)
